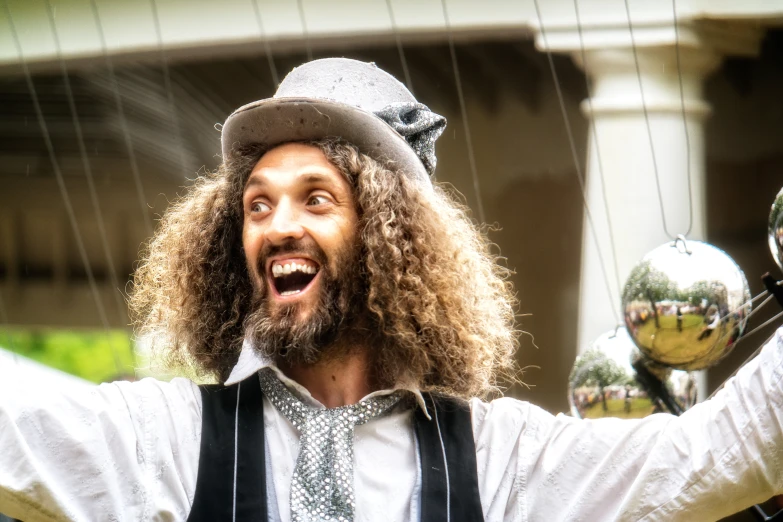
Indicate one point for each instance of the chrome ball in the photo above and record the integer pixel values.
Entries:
(775, 229)
(686, 304)
(604, 381)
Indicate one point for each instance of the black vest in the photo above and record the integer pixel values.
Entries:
(449, 492)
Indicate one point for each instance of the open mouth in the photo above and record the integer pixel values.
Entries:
(293, 276)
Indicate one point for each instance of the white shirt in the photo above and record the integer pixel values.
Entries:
(129, 451)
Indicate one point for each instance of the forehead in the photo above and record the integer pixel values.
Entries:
(292, 163)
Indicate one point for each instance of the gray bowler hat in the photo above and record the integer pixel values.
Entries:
(348, 99)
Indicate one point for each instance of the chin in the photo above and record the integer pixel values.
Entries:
(297, 311)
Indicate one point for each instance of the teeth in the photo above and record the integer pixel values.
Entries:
(280, 270)
(290, 292)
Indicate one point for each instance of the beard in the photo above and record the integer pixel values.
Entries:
(287, 333)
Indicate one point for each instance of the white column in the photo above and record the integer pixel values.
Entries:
(624, 155)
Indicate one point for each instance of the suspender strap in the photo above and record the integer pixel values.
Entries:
(449, 490)
(224, 421)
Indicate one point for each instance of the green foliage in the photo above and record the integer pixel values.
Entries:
(593, 368)
(96, 356)
(710, 291)
(647, 283)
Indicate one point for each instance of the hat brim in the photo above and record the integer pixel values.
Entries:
(275, 121)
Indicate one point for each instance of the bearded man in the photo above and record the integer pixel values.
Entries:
(352, 312)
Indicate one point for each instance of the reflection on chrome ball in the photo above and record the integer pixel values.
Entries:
(683, 304)
(776, 229)
(604, 382)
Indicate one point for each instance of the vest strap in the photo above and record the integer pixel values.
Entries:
(214, 497)
(452, 496)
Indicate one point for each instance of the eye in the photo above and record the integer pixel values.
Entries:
(258, 207)
(317, 200)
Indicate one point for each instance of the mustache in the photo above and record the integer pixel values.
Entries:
(302, 247)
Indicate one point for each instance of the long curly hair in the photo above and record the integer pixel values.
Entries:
(441, 302)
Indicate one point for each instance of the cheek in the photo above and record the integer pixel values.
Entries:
(352, 234)
(344, 242)
(251, 244)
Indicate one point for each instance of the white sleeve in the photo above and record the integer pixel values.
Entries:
(120, 451)
(719, 457)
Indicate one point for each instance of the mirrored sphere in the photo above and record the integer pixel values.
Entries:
(605, 382)
(683, 304)
(776, 229)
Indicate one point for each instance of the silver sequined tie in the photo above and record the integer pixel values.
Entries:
(322, 485)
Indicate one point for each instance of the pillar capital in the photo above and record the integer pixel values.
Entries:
(602, 45)
(666, 86)
(605, 30)
(609, 55)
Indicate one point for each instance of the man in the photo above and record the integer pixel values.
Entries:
(347, 305)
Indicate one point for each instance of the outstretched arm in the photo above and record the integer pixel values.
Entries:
(105, 453)
(719, 457)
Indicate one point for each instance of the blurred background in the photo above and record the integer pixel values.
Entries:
(131, 91)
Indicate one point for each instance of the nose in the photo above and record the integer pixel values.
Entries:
(284, 225)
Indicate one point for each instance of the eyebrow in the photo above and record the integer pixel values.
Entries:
(308, 179)
(313, 178)
(254, 181)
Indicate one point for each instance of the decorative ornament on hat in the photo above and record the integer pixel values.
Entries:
(419, 126)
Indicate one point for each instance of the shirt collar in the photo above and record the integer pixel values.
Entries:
(250, 362)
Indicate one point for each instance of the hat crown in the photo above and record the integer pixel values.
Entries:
(346, 99)
(343, 80)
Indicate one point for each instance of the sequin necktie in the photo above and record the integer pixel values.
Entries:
(322, 485)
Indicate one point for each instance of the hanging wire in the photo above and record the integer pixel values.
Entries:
(164, 63)
(759, 307)
(684, 118)
(464, 112)
(123, 121)
(599, 161)
(575, 158)
(766, 323)
(748, 303)
(647, 122)
(400, 50)
(303, 19)
(87, 170)
(61, 184)
(267, 48)
(755, 352)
